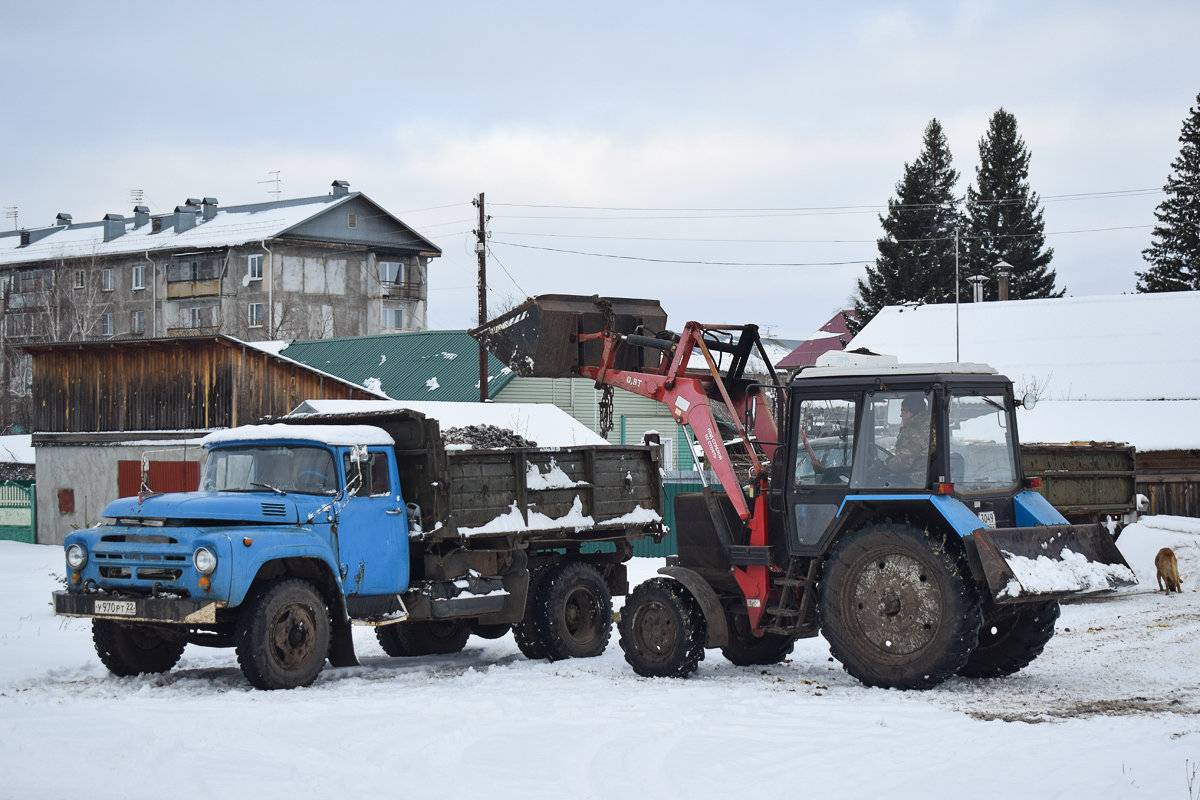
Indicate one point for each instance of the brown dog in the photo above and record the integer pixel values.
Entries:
(1168, 570)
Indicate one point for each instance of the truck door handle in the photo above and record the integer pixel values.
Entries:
(393, 510)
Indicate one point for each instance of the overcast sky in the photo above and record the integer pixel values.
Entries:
(672, 106)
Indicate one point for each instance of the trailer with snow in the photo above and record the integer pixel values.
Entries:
(882, 505)
(304, 527)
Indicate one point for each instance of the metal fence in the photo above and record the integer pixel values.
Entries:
(18, 514)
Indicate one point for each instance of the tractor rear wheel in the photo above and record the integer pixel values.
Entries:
(662, 630)
(1012, 636)
(747, 650)
(898, 607)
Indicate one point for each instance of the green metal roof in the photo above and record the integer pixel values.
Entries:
(421, 365)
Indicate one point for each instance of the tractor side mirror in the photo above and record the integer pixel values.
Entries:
(1029, 401)
(751, 414)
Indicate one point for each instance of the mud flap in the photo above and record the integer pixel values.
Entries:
(1025, 565)
(341, 649)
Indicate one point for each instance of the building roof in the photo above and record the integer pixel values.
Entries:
(1105, 368)
(833, 335)
(229, 227)
(419, 365)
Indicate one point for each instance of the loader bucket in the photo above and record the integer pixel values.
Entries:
(1024, 565)
(538, 338)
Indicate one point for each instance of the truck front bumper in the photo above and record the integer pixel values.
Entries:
(141, 609)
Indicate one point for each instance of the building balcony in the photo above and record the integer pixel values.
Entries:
(405, 290)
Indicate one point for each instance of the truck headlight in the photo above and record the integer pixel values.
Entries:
(76, 556)
(205, 560)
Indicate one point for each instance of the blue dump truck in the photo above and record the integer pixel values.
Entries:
(303, 528)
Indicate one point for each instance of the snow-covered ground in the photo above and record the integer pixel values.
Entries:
(1110, 710)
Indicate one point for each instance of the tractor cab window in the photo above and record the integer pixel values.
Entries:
(896, 441)
(981, 445)
(374, 482)
(825, 442)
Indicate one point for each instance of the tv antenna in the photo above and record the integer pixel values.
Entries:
(11, 213)
(135, 196)
(275, 180)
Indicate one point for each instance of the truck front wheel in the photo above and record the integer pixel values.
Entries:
(662, 630)
(133, 649)
(283, 635)
(898, 607)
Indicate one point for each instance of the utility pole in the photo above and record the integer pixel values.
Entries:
(481, 252)
(956, 354)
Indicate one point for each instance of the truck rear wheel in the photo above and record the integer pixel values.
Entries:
(429, 638)
(133, 649)
(283, 635)
(1012, 636)
(662, 630)
(573, 611)
(898, 608)
(747, 650)
(530, 641)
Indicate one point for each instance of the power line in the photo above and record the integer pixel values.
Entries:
(685, 261)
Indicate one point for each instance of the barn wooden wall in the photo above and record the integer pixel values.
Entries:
(183, 384)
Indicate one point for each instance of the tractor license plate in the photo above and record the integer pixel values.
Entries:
(123, 608)
(988, 518)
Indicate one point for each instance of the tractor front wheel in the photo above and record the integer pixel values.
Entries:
(1012, 636)
(898, 606)
(747, 650)
(662, 630)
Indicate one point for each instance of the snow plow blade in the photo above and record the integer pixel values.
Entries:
(539, 338)
(1023, 565)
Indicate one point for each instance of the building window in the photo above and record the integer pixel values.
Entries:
(139, 277)
(254, 267)
(106, 324)
(393, 318)
(107, 280)
(137, 321)
(391, 272)
(256, 315)
(79, 278)
(195, 317)
(352, 220)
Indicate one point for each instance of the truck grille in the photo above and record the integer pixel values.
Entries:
(158, 574)
(118, 573)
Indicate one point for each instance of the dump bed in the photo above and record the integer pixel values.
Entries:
(538, 495)
(1085, 481)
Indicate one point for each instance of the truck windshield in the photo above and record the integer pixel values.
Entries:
(981, 446)
(267, 468)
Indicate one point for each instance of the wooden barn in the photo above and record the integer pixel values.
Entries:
(99, 407)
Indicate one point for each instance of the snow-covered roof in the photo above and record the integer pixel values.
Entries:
(1118, 347)
(1097, 364)
(859, 371)
(544, 423)
(325, 434)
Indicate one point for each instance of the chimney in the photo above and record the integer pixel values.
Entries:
(114, 226)
(341, 188)
(62, 219)
(185, 218)
(977, 282)
(193, 201)
(1003, 270)
(210, 208)
(141, 216)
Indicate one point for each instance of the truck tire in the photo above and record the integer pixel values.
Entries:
(428, 638)
(1012, 636)
(133, 649)
(573, 611)
(283, 635)
(662, 630)
(489, 631)
(530, 641)
(898, 608)
(747, 650)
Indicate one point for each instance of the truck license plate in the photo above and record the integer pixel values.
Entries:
(124, 608)
(988, 518)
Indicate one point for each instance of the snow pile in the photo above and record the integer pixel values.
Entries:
(513, 522)
(544, 423)
(432, 383)
(1072, 572)
(639, 516)
(324, 434)
(1140, 543)
(374, 385)
(485, 437)
(554, 478)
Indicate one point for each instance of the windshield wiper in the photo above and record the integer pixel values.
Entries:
(991, 402)
(269, 486)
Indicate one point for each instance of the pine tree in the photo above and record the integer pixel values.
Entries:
(916, 253)
(1004, 222)
(1174, 255)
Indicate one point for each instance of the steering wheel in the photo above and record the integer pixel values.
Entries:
(321, 479)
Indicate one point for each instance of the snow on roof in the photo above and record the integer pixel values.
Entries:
(274, 347)
(17, 449)
(325, 434)
(1145, 424)
(860, 370)
(544, 423)
(1119, 347)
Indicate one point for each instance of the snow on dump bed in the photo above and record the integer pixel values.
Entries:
(1073, 573)
(574, 519)
(544, 423)
(326, 434)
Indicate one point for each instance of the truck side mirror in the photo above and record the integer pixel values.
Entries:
(358, 453)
